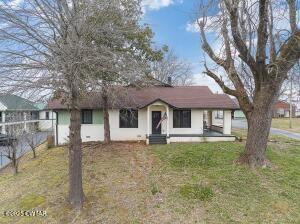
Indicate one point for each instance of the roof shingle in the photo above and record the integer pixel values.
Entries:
(178, 97)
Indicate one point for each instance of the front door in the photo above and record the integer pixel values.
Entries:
(156, 117)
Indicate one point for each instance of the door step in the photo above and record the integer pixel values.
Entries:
(157, 139)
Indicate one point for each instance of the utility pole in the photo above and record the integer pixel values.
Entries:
(291, 105)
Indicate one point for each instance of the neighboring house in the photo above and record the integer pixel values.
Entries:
(237, 114)
(17, 113)
(47, 118)
(160, 114)
(282, 109)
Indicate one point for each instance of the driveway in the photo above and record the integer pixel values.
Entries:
(242, 124)
(38, 138)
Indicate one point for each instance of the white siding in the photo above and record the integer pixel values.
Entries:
(89, 132)
(46, 125)
(2, 107)
(95, 132)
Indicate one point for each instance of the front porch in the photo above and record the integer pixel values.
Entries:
(166, 124)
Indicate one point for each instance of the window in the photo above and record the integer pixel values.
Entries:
(181, 118)
(47, 115)
(87, 117)
(34, 115)
(128, 118)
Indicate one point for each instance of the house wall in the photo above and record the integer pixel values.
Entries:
(47, 124)
(89, 132)
(95, 131)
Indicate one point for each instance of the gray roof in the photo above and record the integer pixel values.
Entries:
(13, 102)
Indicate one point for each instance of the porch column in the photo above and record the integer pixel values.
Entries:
(168, 121)
(227, 122)
(148, 124)
(168, 125)
(209, 118)
(25, 121)
(3, 131)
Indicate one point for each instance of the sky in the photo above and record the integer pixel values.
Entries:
(171, 22)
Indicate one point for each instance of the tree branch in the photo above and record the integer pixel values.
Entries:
(292, 14)
(223, 86)
(245, 54)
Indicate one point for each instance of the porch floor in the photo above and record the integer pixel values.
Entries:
(206, 133)
(211, 133)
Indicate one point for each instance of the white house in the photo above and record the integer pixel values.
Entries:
(17, 113)
(159, 114)
(47, 120)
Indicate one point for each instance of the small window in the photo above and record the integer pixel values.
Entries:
(87, 117)
(128, 118)
(182, 119)
(47, 115)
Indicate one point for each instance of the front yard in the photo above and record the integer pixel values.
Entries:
(178, 183)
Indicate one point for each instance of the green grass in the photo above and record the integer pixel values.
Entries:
(238, 194)
(177, 183)
(196, 191)
(31, 201)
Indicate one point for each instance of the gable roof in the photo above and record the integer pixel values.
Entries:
(177, 97)
(282, 105)
(13, 102)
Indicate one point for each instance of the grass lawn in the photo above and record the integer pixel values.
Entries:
(284, 124)
(177, 183)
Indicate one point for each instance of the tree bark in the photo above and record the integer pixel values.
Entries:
(107, 138)
(259, 124)
(76, 195)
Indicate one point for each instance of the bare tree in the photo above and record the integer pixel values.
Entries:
(15, 145)
(251, 33)
(66, 47)
(175, 68)
(33, 138)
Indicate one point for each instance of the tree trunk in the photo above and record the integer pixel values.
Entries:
(34, 154)
(259, 124)
(107, 139)
(76, 195)
(15, 162)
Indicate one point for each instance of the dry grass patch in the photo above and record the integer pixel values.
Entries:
(178, 183)
(284, 124)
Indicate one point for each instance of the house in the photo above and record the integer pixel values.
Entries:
(17, 113)
(157, 114)
(47, 118)
(282, 109)
(237, 114)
